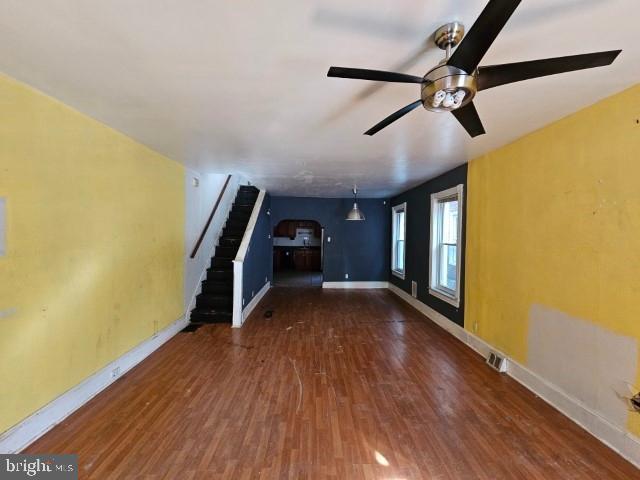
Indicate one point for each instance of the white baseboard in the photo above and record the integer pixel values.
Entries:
(37, 424)
(255, 301)
(626, 444)
(355, 285)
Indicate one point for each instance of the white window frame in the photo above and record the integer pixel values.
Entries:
(452, 298)
(402, 207)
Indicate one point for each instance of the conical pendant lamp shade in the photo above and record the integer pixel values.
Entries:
(355, 214)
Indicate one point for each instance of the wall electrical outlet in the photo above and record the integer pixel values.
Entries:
(414, 289)
(115, 372)
(346, 275)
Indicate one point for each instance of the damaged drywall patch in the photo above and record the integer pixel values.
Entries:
(586, 361)
(8, 312)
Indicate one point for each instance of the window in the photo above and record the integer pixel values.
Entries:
(444, 258)
(398, 221)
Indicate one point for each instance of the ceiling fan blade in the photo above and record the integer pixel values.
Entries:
(496, 75)
(470, 120)
(393, 117)
(376, 75)
(482, 34)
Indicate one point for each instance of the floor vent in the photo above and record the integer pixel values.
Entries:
(497, 362)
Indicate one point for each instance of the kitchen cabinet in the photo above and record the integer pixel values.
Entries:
(306, 259)
(288, 228)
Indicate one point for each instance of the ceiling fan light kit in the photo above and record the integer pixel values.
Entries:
(447, 88)
(452, 85)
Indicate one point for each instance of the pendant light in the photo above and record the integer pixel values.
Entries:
(355, 214)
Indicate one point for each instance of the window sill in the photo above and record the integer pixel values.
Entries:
(398, 274)
(444, 297)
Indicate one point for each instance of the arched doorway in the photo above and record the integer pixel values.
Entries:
(297, 253)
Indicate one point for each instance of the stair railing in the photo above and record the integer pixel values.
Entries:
(210, 219)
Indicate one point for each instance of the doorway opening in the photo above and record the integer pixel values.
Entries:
(298, 253)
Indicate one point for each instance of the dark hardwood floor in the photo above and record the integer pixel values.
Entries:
(337, 384)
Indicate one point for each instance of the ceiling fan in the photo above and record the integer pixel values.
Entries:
(452, 85)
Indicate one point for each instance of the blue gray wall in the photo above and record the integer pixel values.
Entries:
(258, 261)
(361, 249)
(418, 240)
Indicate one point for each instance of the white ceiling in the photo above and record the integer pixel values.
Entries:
(240, 86)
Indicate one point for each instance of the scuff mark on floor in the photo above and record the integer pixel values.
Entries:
(293, 362)
(246, 347)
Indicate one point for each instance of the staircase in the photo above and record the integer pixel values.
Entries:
(215, 303)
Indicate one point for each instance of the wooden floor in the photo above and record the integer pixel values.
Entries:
(337, 384)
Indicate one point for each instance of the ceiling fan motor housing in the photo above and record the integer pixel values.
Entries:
(450, 80)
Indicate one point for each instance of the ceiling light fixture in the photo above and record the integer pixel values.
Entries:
(355, 214)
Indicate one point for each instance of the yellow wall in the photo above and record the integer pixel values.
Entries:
(554, 219)
(95, 239)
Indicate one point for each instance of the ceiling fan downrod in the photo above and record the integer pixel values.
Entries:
(448, 36)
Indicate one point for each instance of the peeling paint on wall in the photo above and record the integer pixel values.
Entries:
(588, 362)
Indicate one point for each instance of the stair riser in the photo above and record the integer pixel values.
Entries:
(217, 289)
(240, 216)
(221, 263)
(230, 242)
(217, 275)
(226, 252)
(232, 232)
(207, 301)
(217, 318)
(242, 208)
(239, 225)
(243, 202)
(247, 196)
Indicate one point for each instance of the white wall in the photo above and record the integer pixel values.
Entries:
(198, 204)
